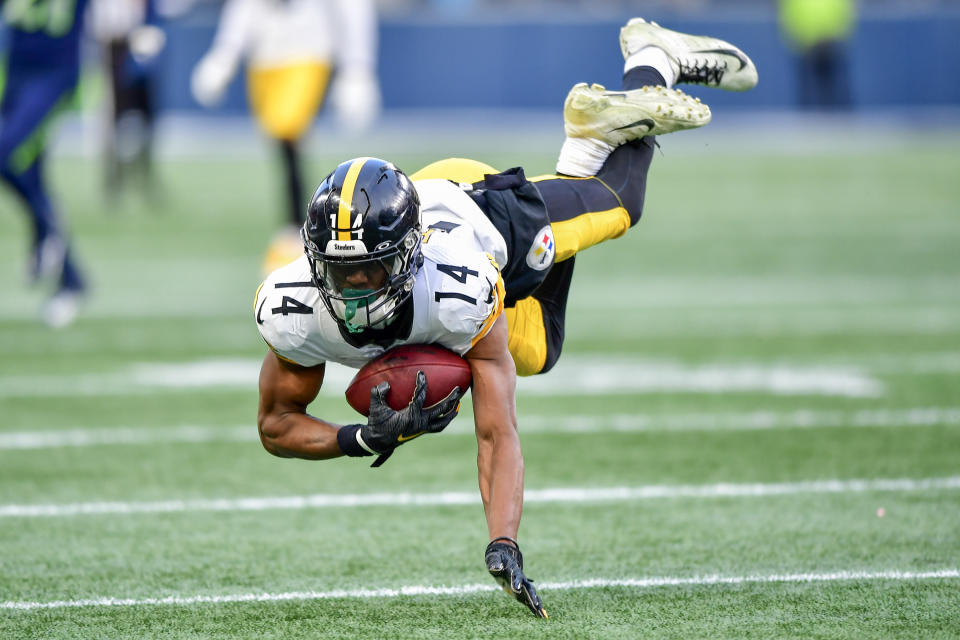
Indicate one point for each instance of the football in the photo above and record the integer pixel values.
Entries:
(443, 368)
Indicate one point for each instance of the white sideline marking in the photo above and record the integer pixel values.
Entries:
(529, 423)
(583, 376)
(467, 589)
(450, 498)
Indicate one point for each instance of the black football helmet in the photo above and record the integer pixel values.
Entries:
(362, 239)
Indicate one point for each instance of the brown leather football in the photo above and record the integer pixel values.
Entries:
(443, 368)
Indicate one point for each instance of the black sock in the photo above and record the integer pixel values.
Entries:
(642, 77)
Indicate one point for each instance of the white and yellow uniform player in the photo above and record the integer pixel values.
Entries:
(457, 293)
(361, 244)
(291, 49)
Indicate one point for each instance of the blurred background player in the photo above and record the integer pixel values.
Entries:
(291, 49)
(131, 38)
(818, 31)
(43, 67)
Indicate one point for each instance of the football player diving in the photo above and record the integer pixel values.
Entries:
(477, 261)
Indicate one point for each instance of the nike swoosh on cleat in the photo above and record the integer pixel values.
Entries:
(647, 122)
(729, 52)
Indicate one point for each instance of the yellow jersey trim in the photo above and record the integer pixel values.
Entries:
(500, 294)
(256, 297)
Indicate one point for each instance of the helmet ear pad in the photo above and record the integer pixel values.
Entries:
(365, 210)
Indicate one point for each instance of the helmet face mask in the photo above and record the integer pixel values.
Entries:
(362, 240)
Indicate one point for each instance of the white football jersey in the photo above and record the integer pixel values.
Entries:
(457, 293)
(272, 33)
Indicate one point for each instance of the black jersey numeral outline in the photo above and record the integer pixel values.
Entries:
(291, 305)
(440, 295)
(460, 274)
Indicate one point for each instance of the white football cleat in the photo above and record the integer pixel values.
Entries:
(695, 59)
(616, 117)
(61, 309)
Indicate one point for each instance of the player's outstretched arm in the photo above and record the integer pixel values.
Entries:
(500, 461)
(286, 389)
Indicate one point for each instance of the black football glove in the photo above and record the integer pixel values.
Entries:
(387, 429)
(505, 564)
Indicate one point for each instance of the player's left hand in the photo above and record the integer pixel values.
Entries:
(505, 564)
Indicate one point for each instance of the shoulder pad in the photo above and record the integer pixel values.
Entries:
(466, 296)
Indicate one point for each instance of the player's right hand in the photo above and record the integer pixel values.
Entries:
(387, 429)
(356, 100)
(505, 564)
(210, 79)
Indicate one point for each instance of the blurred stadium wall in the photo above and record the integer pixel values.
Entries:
(499, 55)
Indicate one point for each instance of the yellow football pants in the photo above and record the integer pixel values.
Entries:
(285, 99)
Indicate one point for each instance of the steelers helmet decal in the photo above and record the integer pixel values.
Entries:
(362, 239)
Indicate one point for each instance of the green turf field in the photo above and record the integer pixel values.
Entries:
(754, 430)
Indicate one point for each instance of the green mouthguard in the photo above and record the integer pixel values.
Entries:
(360, 297)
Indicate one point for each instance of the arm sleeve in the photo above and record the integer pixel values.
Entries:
(233, 34)
(356, 29)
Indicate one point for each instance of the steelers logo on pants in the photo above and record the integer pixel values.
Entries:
(541, 253)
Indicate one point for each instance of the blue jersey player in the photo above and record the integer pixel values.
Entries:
(43, 67)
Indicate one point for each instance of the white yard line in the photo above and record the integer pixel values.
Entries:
(583, 374)
(529, 424)
(467, 589)
(591, 375)
(453, 498)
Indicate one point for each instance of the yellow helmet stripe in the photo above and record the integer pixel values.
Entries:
(346, 198)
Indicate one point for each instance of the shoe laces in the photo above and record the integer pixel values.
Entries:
(698, 71)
